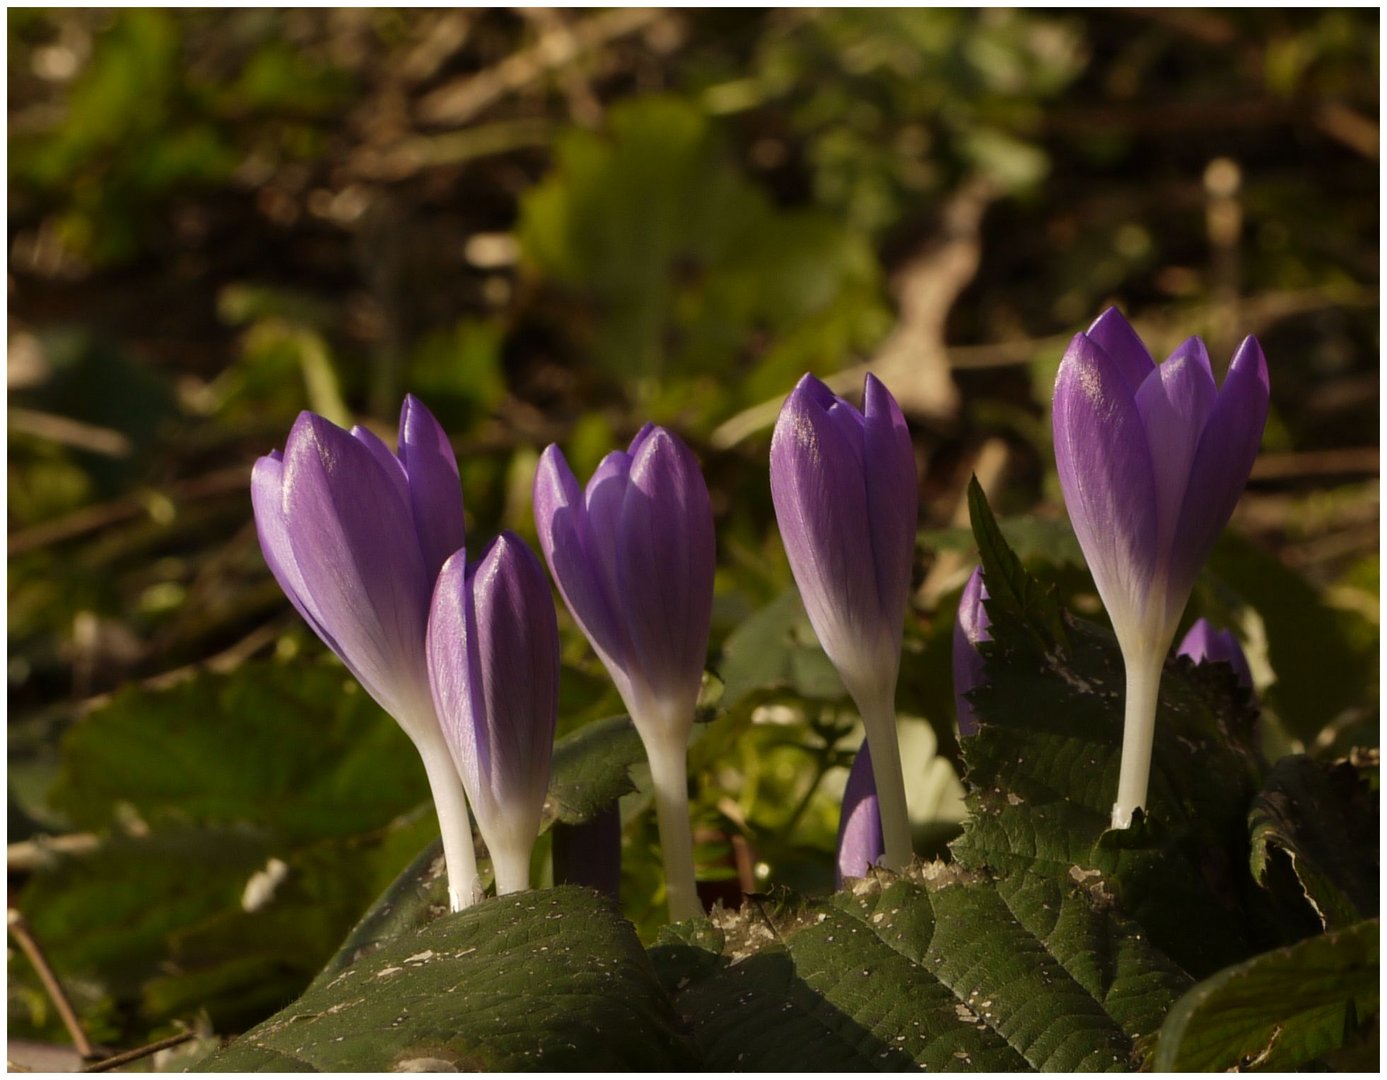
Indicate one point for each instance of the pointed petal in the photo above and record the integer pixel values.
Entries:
(970, 629)
(860, 841)
(565, 537)
(435, 491)
(1222, 463)
(1204, 643)
(267, 501)
(384, 458)
(666, 556)
(820, 497)
(604, 496)
(1174, 404)
(892, 499)
(456, 682)
(363, 577)
(1105, 471)
(1114, 335)
(504, 726)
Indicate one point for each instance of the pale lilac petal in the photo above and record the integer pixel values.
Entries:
(892, 500)
(267, 501)
(566, 539)
(386, 459)
(604, 497)
(665, 566)
(1221, 464)
(860, 841)
(970, 629)
(820, 497)
(1204, 643)
(1174, 404)
(435, 491)
(493, 650)
(353, 541)
(1115, 336)
(1106, 474)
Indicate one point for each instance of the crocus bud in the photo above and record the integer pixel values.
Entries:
(633, 556)
(1204, 644)
(844, 487)
(1152, 459)
(355, 536)
(493, 649)
(970, 629)
(860, 843)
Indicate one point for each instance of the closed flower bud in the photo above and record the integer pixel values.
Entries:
(859, 828)
(1204, 644)
(633, 556)
(493, 653)
(355, 536)
(1152, 459)
(970, 630)
(844, 487)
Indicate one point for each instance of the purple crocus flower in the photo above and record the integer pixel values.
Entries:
(860, 843)
(844, 487)
(633, 556)
(1152, 459)
(355, 536)
(1204, 644)
(970, 629)
(493, 652)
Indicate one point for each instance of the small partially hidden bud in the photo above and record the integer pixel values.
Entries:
(970, 630)
(860, 843)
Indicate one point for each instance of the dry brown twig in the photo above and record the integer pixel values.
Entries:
(19, 930)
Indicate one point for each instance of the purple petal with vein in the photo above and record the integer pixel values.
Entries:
(860, 842)
(1204, 643)
(435, 491)
(970, 630)
(1105, 471)
(493, 653)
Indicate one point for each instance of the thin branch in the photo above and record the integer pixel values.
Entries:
(463, 100)
(19, 930)
(125, 1058)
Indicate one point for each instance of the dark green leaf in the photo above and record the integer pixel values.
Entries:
(1323, 821)
(1279, 1010)
(592, 769)
(297, 749)
(1008, 584)
(941, 969)
(551, 980)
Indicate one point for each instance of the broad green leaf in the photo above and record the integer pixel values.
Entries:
(1323, 821)
(1325, 658)
(591, 769)
(939, 969)
(1278, 1010)
(775, 649)
(551, 980)
(297, 749)
(1008, 583)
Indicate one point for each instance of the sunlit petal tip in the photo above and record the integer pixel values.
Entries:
(1122, 346)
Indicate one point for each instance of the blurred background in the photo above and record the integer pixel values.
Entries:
(553, 226)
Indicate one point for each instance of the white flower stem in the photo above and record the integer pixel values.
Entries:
(1144, 666)
(512, 868)
(454, 822)
(879, 718)
(669, 773)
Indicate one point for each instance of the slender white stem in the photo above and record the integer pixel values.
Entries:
(454, 822)
(669, 773)
(1144, 666)
(879, 717)
(512, 867)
